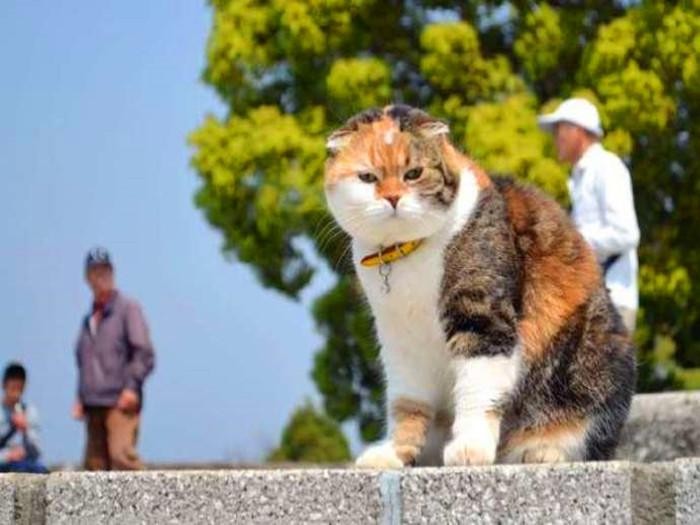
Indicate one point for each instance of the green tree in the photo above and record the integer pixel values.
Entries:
(311, 437)
(289, 71)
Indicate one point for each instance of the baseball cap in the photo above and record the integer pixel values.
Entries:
(97, 256)
(578, 111)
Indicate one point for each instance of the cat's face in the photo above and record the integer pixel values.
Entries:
(386, 180)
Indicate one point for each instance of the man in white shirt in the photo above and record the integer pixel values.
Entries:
(601, 196)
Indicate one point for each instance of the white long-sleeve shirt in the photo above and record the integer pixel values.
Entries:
(603, 210)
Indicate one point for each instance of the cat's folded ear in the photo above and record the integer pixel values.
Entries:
(338, 139)
(433, 129)
(428, 127)
(417, 121)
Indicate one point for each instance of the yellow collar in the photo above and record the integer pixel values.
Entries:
(391, 253)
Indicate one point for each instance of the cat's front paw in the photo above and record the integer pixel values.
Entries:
(464, 451)
(381, 456)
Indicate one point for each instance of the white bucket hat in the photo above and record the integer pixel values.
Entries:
(578, 111)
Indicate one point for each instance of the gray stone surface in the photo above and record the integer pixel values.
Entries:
(614, 492)
(653, 493)
(22, 499)
(578, 493)
(310, 496)
(662, 427)
(7, 499)
(30, 491)
(687, 482)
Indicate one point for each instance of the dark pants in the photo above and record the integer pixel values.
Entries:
(111, 439)
(26, 466)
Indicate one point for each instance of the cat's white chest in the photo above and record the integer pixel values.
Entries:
(410, 305)
(412, 339)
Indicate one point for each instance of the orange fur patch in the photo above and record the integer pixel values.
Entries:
(561, 270)
(412, 421)
(456, 162)
(552, 434)
(391, 186)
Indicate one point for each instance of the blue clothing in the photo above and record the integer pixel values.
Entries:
(26, 466)
(11, 437)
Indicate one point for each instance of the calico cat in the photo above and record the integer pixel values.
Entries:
(498, 339)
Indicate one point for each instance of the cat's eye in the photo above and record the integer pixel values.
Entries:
(367, 177)
(413, 174)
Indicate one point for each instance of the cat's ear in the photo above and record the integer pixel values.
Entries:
(426, 126)
(338, 140)
(432, 127)
(417, 121)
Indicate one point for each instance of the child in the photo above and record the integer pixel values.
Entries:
(19, 430)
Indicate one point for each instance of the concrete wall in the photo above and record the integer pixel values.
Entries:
(662, 427)
(611, 492)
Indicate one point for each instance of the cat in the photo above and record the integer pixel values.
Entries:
(498, 339)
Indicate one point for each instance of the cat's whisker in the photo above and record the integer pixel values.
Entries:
(334, 226)
(329, 238)
(342, 256)
(328, 230)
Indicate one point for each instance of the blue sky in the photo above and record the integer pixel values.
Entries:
(96, 101)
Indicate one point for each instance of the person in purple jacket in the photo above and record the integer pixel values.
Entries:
(114, 355)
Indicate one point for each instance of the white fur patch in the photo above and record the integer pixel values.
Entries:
(480, 384)
(389, 137)
(382, 455)
(474, 446)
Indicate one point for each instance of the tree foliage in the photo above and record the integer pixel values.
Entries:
(311, 437)
(289, 71)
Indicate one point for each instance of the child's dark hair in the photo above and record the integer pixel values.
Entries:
(14, 371)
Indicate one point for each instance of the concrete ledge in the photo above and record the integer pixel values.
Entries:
(308, 496)
(573, 493)
(687, 491)
(654, 494)
(662, 427)
(7, 500)
(22, 499)
(613, 492)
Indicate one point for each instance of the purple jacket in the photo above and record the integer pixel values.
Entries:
(118, 355)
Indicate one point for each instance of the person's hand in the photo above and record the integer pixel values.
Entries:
(78, 411)
(16, 454)
(19, 420)
(128, 401)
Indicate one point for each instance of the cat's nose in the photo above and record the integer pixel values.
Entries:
(393, 200)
